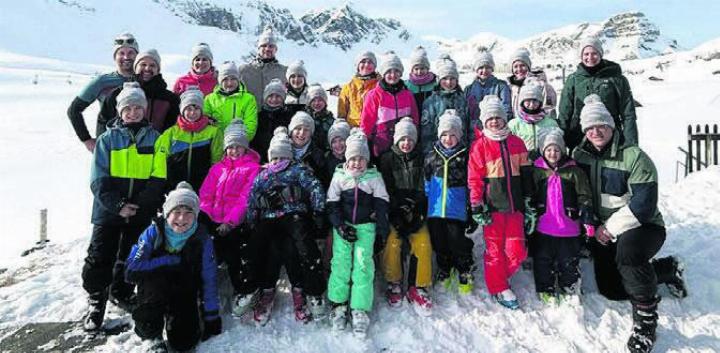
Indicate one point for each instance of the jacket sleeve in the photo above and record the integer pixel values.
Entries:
(250, 119)
(210, 299)
(381, 201)
(217, 147)
(237, 214)
(476, 176)
(312, 187)
(627, 109)
(208, 189)
(108, 109)
(141, 264)
(427, 128)
(209, 106)
(369, 115)
(343, 107)
(642, 207)
(584, 197)
(333, 202)
(151, 197)
(252, 213)
(173, 112)
(472, 104)
(107, 196)
(506, 98)
(178, 87)
(74, 113)
(566, 110)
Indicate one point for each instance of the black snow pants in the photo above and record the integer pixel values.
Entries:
(105, 262)
(452, 248)
(555, 256)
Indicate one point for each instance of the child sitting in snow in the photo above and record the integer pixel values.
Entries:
(223, 199)
(358, 205)
(445, 172)
(498, 178)
(531, 118)
(230, 100)
(317, 108)
(273, 114)
(201, 74)
(297, 88)
(563, 200)
(350, 101)
(174, 268)
(286, 203)
(402, 171)
(192, 144)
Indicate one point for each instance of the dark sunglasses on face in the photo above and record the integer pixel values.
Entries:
(121, 41)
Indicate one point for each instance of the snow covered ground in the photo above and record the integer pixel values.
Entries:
(42, 165)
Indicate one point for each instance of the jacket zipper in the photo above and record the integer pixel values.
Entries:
(355, 206)
(446, 165)
(234, 111)
(190, 149)
(132, 180)
(505, 159)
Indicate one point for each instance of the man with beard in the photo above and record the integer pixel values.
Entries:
(265, 67)
(125, 49)
(163, 105)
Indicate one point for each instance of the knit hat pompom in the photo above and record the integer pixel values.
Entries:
(491, 107)
(183, 195)
(297, 68)
(390, 61)
(280, 145)
(236, 135)
(419, 57)
(446, 67)
(595, 113)
(357, 145)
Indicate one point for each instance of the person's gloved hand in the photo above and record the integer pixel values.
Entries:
(320, 222)
(481, 215)
(530, 217)
(589, 230)
(347, 232)
(213, 327)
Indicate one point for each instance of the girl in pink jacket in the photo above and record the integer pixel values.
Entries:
(223, 199)
(385, 105)
(201, 74)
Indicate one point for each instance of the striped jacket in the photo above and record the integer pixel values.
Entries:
(381, 111)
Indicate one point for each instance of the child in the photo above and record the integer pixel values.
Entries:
(337, 134)
(402, 171)
(317, 108)
(201, 74)
(297, 92)
(358, 204)
(127, 179)
(192, 145)
(421, 82)
(445, 172)
(485, 84)
(498, 190)
(520, 65)
(230, 100)
(563, 199)
(448, 95)
(174, 267)
(531, 118)
(350, 101)
(223, 199)
(273, 114)
(302, 128)
(287, 203)
(385, 104)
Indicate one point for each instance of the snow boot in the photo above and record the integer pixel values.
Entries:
(420, 300)
(124, 302)
(670, 271)
(393, 294)
(444, 281)
(465, 283)
(548, 298)
(571, 294)
(96, 311)
(507, 299)
(302, 314)
(317, 307)
(263, 308)
(645, 319)
(157, 345)
(244, 302)
(338, 317)
(360, 323)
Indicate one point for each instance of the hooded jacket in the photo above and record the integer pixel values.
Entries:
(434, 107)
(224, 108)
(206, 82)
(225, 192)
(350, 101)
(381, 111)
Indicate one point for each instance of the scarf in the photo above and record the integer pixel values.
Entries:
(500, 135)
(367, 77)
(278, 166)
(422, 79)
(392, 89)
(227, 94)
(531, 116)
(192, 126)
(266, 61)
(268, 108)
(299, 152)
(447, 152)
(174, 242)
(355, 173)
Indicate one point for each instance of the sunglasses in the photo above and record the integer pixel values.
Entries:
(121, 41)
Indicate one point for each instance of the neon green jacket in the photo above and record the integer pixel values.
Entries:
(190, 154)
(239, 105)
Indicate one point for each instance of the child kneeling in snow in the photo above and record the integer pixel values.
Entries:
(563, 199)
(358, 205)
(174, 266)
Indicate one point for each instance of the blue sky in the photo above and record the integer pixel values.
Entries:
(691, 22)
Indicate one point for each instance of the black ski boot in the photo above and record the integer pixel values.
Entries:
(645, 319)
(96, 311)
(669, 271)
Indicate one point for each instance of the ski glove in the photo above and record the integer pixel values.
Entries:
(213, 327)
(481, 215)
(347, 232)
(530, 217)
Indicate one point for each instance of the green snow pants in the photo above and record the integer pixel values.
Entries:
(353, 261)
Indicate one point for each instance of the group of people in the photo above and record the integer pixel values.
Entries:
(259, 175)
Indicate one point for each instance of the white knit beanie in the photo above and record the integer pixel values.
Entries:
(302, 118)
(297, 68)
(595, 113)
(275, 87)
(280, 145)
(131, 94)
(523, 55)
(445, 66)
(365, 55)
(316, 91)
(191, 96)
(419, 58)
(183, 195)
(150, 53)
(405, 127)
(235, 135)
(531, 90)
(228, 69)
(339, 128)
(592, 42)
(450, 122)
(267, 37)
(491, 107)
(483, 58)
(125, 40)
(201, 49)
(357, 145)
(390, 60)
(551, 136)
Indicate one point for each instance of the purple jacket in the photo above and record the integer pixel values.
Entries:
(224, 193)
(566, 181)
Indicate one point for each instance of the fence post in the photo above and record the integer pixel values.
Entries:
(689, 166)
(43, 226)
(698, 152)
(715, 144)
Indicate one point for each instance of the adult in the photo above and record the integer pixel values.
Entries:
(265, 67)
(202, 72)
(162, 109)
(125, 48)
(630, 228)
(595, 75)
(522, 74)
